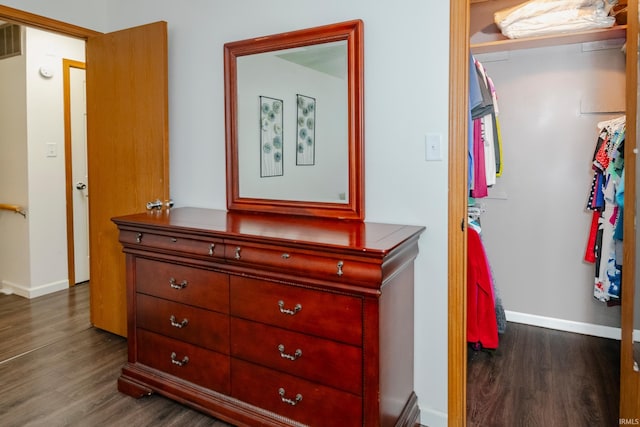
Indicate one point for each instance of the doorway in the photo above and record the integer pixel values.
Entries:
(458, 102)
(34, 152)
(128, 144)
(76, 174)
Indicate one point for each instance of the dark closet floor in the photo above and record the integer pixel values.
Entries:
(543, 377)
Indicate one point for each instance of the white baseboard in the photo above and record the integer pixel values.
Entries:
(433, 418)
(9, 288)
(567, 325)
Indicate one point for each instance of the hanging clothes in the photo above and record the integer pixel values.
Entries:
(482, 325)
(485, 147)
(475, 99)
(604, 245)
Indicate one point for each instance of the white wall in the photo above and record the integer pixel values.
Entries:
(536, 228)
(328, 177)
(45, 125)
(406, 96)
(14, 264)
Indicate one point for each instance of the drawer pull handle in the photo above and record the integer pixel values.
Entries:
(289, 401)
(139, 238)
(174, 240)
(211, 248)
(283, 310)
(174, 285)
(340, 265)
(182, 362)
(284, 355)
(176, 324)
(286, 256)
(237, 255)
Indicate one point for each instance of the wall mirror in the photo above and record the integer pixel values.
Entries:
(295, 122)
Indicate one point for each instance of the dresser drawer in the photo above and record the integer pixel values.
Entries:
(201, 327)
(187, 285)
(294, 398)
(213, 248)
(316, 359)
(310, 264)
(189, 362)
(323, 314)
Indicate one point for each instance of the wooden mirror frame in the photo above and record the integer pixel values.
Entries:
(352, 32)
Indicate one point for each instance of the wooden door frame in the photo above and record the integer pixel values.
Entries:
(457, 205)
(17, 16)
(67, 64)
(458, 164)
(629, 379)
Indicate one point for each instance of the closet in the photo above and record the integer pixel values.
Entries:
(553, 91)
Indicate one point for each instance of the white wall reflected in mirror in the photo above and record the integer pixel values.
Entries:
(317, 71)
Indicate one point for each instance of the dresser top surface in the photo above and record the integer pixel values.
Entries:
(355, 235)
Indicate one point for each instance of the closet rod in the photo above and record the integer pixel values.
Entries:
(13, 208)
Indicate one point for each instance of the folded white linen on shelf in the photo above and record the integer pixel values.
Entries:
(542, 17)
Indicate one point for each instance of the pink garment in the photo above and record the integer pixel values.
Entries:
(479, 174)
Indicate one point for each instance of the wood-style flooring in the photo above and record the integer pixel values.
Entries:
(543, 377)
(57, 370)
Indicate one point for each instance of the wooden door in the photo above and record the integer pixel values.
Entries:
(127, 132)
(629, 377)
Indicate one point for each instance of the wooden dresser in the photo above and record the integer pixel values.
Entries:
(270, 319)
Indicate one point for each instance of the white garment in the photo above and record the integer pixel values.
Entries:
(488, 137)
(488, 141)
(542, 17)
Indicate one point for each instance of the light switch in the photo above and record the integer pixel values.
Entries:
(52, 149)
(433, 147)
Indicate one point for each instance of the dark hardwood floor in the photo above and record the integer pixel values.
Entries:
(57, 370)
(543, 377)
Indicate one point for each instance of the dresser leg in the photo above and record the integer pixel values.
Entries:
(132, 388)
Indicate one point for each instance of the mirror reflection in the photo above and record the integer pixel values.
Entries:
(292, 107)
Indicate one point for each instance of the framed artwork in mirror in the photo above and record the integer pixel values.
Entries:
(271, 143)
(306, 124)
(290, 75)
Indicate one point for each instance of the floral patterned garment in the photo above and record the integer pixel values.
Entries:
(604, 247)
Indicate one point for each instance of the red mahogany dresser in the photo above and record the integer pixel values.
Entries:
(271, 320)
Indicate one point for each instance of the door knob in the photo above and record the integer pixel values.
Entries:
(81, 186)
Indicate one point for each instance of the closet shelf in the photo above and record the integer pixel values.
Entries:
(499, 43)
(486, 37)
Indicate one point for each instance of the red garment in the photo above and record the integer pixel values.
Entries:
(482, 324)
(590, 252)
